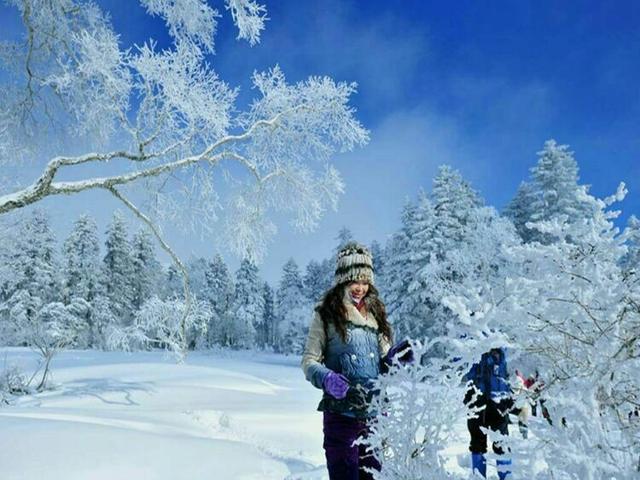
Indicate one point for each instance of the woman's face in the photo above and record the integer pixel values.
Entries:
(358, 290)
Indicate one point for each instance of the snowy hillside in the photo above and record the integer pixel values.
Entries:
(140, 416)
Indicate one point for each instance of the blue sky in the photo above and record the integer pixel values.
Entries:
(477, 85)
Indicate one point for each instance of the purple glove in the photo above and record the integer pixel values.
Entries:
(336, 385)
(402, 351)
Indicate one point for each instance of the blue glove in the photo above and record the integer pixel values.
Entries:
(336, 385)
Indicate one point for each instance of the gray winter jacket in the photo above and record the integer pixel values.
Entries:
(357, 358)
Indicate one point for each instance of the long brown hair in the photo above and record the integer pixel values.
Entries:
(332, 310)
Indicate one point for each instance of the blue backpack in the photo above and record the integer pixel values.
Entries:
(490, 374)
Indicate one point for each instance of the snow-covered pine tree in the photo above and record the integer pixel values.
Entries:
(344, 236)
(431, 229)
(416, 316)
(37, 264)
(219, 295)
(82, 263)
(377, 252)
(395, 284)
(247, 308)
(453, 201)
(520, 210)
(34, 279)
(293, 310)
(267, 329)
(82, 272)
(172, 283)
(631, 260)
(117, 270)
(578, 312)
(316, 282)
(37, 316)
(197, 267)
(146, 271)
(552, 191)
(423, 401)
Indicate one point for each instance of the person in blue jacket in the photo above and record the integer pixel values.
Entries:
(490, 391)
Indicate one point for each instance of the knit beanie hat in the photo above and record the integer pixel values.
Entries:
(354, 264)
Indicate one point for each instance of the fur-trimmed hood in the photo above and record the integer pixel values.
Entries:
(355, 317)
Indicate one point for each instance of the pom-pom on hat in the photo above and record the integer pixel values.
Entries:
(354, 264)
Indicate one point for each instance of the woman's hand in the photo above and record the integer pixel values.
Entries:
(401, 351)
(336, 385)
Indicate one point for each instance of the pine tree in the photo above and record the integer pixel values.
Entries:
(292, 310)
(267, 329)
(417, 317)
(146, 270)
(82, 263)
(631, 260)
(247, 309)
(34, 266)
(172, 286)
(82, 273)
(396, 281)
(552, 192)
(219, 295)
(453, 200)
(197, 268)
(520, 211)
(118, 270)
(344, 236)
(317, 280)
(377, 252)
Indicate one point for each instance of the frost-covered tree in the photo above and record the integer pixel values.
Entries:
(570, 310)
(292, 310)
(377, 252)
(33, 271)
(81, 253)
(423, 407)
(552, 191)
(582, 319)
(146, 271)
(75, 99)
(267, 328)
(172, 284)
(35, 263)
(631, 260)
(102, 321)
(318, 278)
(415, 316)
(117, 270)
(421, 263)
(453, 201)
(158, 324)
(82, 272)
(414, 427)
(395, 283)
(247, 308)
(219, 295)
(197, 267)
(520, 210)
(344, 236)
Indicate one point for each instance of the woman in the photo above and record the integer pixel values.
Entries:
(348, 343)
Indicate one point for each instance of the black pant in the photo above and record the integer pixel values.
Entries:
(492, 419)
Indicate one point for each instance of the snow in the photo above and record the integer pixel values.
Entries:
(239, 415)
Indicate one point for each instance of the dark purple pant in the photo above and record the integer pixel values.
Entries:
(345, 461)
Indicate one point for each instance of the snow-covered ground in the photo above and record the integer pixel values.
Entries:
(142, 416)
(223, 416)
